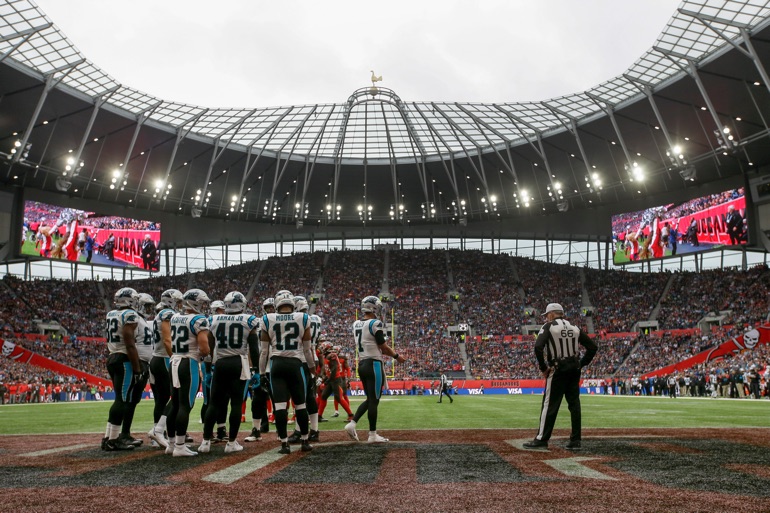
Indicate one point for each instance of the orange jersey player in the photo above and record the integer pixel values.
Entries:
(333, 382)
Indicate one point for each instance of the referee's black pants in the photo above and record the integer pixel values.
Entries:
(560, 384)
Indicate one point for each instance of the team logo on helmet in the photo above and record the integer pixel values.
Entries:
(300, 304)
(145, 304)
(371, 304)
(126, 297)
(235, 302)
(217, 305)
(195, 300)
(171, 298)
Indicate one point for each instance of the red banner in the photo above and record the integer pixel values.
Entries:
(20, 354)
(746, 342)
(711, 222)
(128, 243)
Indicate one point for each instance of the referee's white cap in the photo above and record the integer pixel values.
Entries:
(553, 307)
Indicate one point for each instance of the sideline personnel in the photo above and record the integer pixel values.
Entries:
(559, 359)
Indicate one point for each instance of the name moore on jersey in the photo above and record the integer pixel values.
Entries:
(286, 331)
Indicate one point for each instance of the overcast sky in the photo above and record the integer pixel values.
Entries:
(249, 53)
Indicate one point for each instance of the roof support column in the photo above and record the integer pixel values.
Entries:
(50, 83)
(97, 105)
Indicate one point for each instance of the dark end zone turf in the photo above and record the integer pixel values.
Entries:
(442, 470)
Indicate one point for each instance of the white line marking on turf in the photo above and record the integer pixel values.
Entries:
(573, 468)
(56, 450)
(239, 470)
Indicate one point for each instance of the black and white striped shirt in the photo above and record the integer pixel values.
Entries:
(558, 340)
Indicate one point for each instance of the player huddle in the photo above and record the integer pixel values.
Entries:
(279, 358)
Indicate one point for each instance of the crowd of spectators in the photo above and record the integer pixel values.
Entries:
(622, 298)
(545, 283)
(694, 295)
(489, 293)
(419, 282)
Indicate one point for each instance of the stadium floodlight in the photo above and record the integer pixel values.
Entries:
(62, 184)
(195, 212)
(688, 173)
(563, 206)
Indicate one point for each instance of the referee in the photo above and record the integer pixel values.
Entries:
(559, 360)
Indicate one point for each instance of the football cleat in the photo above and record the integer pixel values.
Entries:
(255, 436)
(306, 447)
(374, 438)
(221, 436)
(130, 440)
(573, 445)
(233, 446)
(336, 414)
(158, 438)
(313, 436)
(154, 444)
(170, 449)
(118, 445)
(350, 429)
(104, 443)
(188, 439)
(295, 438)
(205, 446)
(321, 419)
(183, 451)
(285, 448)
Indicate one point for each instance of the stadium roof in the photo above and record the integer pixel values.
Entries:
(701, 87)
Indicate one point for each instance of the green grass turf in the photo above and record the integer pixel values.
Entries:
(423, 412)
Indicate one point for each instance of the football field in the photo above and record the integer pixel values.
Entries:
(424, 412)
(639, 454)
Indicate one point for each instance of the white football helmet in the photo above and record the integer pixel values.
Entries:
(268, 303)
(300, 304)
(371, 304)
(284, 298)
(235, 302)
(217, 305)
(196, 300)
(171, 298)
(336, 349)
(145, 305)
(126, 298)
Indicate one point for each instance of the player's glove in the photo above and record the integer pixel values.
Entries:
(141, 377)
(318, 381)
(264, 383)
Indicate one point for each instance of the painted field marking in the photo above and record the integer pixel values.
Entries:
(240, 470)
(46, 452)
(573, 468)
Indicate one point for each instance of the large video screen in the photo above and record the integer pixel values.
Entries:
(692, 226)
(56, 232)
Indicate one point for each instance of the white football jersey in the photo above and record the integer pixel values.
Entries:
(184, 334)
(364, 334)
(116, 319)
(158, 348)
(144, 340)
(285, 332)
(231, 332)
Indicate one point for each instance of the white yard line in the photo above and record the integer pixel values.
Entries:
(56, 450)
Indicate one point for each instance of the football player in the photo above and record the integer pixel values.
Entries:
(236, 338)
(333, 381)
(260, 396)
(145, 307)
(217, 307)
(190, 340)
(285, 334)
(122, 364)
(301, 305)
(160, 377)
(369, 336)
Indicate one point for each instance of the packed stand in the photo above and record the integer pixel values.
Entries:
(612, 353)
(622, 298)
(297, 273)
(418, 281)
(693, 295)
(14, 318)
(348, 277)
(22, 383)
(495, 358)
(489, 294)
(85, 356)
(77, 306)
(545, 283)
